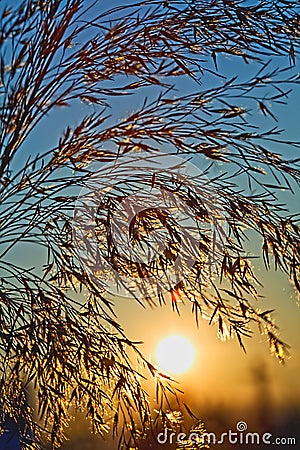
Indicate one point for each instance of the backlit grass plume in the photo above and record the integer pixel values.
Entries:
(141, 77)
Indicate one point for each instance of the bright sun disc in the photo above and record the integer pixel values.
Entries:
(175, 354)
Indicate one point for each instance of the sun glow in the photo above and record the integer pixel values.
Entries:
(175, 354)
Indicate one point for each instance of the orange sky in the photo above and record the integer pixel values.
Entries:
(222, 374)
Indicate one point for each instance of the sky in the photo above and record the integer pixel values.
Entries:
(223, 385)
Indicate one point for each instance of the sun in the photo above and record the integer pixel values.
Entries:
(175, 354)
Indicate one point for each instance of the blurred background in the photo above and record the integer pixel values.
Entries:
(224, 385)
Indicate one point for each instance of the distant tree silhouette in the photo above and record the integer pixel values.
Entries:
(59, 332)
